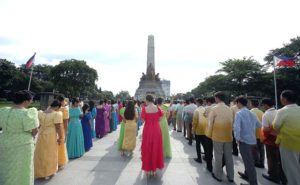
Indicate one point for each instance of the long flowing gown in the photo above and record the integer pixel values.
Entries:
(114, 116)
(107, 117)
(100, 122)
(17, 145)
(152, 148)
(46, 155)
(129, 141)
(87, 131)
(62, 148)
(120, 106)
(122, 129)
(94, 112)
(165, 133)
(75, 141)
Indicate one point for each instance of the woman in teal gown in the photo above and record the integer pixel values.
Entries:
(75, 140)
(165, 129)
(93, 112)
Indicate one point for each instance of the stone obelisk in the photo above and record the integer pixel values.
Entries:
(150, 83)
(150, 58)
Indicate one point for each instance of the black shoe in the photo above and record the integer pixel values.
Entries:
(213, 175)
(190, 143)
(230, 180)
(235, 153)
(198, 160)
(243, 176)
(259, 165)
(204, 158)
(270, 178)
(178, 130)
(209, 169)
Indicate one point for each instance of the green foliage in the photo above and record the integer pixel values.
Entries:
(247, 76)
(9, 74)
(106, 95)
(182, 96)
(74, 77)
(123, 95)
(71, 77)
(289, 50)
(234, 77)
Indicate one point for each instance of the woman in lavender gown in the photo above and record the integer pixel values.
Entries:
(100, 120)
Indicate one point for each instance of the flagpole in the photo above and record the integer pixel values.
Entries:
(275, 86)
(29, 84)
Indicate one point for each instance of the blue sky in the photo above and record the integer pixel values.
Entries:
(191, 37)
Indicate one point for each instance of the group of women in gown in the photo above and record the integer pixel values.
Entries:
(155, 137)
(57, 141)
(62, 133)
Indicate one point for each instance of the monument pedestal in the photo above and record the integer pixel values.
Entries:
(149, 87)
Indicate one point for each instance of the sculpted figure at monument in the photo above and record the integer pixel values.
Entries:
(143, 77)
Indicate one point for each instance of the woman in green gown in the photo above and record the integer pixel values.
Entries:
(122, 129)
(165, 129)
(19, 126)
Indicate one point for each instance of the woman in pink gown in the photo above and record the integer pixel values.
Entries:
(152, 147)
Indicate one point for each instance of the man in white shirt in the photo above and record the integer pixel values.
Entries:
(275, 172)
(188, 118)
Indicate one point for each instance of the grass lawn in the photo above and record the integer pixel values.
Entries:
(35, 104)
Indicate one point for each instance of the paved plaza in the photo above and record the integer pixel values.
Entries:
(103, 165)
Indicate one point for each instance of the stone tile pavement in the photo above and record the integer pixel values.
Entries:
(103, 165)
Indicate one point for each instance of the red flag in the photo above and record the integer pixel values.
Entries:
(282, 61)
(29, 63)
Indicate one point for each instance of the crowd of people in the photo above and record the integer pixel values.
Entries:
(66, 130)
(241, 127)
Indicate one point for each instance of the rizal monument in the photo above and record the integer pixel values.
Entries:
(150, 82)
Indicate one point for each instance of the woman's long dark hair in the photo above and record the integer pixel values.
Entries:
(129, 113)
(21, 96)
(85, 107)
(92, 105)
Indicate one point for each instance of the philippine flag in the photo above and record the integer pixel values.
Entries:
(282, 61)
(29, 63)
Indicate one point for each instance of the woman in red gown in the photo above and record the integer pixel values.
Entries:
(152, 147)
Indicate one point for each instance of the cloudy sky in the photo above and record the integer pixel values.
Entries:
(191, 37)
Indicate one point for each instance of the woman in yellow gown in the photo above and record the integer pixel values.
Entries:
(46, 155)
(130, 116)
(62, 148)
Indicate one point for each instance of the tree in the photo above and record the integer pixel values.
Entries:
(289, 50)
(239, 72)
(8, 72)
(123, 95)
(40, 71)
(106, 95)
(286, 77)
(236, 77)
(210, 85)
(74, 77)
